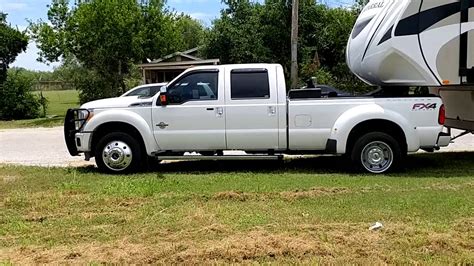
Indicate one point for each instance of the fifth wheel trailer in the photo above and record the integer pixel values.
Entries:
(422, 43)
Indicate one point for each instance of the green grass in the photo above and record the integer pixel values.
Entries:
(301, 210)
(58, 103)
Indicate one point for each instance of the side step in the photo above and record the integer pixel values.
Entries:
(219, 157)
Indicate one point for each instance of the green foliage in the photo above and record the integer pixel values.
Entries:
(104, 38)
(359, 5)
(12, 43)
(134, 78)
(157, 30)
(35, 76)
(250, 32)
(16, 99)
(191, 32)
(90, 84)
(114, 25)
(243, 35)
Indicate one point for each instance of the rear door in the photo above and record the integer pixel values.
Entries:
(251, 109)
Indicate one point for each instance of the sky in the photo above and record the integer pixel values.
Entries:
(20, 11)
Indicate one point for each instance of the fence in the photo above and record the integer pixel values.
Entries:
(52, 86)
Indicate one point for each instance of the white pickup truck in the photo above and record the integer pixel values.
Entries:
(211, 109)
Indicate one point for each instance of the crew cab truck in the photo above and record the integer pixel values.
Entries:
(246, 107)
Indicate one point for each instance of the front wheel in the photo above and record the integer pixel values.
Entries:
(377, 153)
(118, 152)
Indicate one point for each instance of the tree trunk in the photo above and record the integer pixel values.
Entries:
(294, 44)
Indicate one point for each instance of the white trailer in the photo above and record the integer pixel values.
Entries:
(425, 43)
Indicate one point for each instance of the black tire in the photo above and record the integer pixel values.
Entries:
(120, 145)
(376, 153)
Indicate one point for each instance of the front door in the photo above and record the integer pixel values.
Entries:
(194, 119)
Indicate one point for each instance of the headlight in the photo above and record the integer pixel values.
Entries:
(83, 116)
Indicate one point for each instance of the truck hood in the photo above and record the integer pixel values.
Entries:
(117, 102)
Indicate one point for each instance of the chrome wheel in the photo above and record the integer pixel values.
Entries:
(117, 155)
(377, 157)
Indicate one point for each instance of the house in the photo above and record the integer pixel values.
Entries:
(167, 68)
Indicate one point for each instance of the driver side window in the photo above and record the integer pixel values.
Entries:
(196, 86)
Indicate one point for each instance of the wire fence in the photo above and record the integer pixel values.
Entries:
(52, 86)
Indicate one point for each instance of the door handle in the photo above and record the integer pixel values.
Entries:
(210, 109)
(220, 111)
(162, 125)
(271, 110)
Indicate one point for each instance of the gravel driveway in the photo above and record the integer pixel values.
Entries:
(46, 147)
(37, 146)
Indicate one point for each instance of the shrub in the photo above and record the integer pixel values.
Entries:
(16, 99)
(92, 86)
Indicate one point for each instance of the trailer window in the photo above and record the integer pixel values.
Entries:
(360, 26)
(249, 84)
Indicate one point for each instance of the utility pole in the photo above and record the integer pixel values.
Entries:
(294, 44)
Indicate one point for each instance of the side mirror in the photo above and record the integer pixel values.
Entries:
(163, 96)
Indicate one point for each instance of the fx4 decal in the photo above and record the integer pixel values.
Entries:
(424, 106)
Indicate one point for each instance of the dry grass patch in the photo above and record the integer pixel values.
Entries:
(328, 243)
(286, 195)
(314, 192)
(232, 195)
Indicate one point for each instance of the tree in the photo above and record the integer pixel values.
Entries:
(252, 32)
(106, 37)
(190, 31)
(12, 43)
(158, 30)
(359, 5)
(16, 100)
(237, 36)
(103, 36)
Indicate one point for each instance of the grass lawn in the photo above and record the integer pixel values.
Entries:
(297, 211)
(58, 103)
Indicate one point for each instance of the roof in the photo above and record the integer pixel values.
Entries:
(189, 56)
(186, 54)
(179, 65)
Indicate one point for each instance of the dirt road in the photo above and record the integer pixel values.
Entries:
(46, 147)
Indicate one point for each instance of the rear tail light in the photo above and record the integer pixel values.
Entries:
(442, 115)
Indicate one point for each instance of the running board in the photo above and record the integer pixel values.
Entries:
(219, 157)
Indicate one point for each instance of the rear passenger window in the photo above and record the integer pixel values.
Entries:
(249, 84)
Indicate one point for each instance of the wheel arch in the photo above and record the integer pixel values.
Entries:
(376, 118)
(377, 125)
(112, 119)
(116, 126)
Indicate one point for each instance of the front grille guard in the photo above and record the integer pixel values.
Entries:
(70, 128)
(74, 118)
